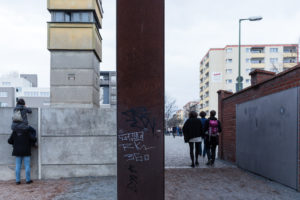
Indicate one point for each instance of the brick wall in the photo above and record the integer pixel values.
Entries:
(227, 108)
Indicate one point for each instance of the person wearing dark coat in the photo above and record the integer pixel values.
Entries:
(211, 137)
(21, 141)
(192, 131)
(20, 126)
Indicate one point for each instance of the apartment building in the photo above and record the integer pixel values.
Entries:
(219, 67)
(14, 86)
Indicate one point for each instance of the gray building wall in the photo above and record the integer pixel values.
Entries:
(10, 99)
(7, 161)
(74, 79)
(31, 78)
(73, 142)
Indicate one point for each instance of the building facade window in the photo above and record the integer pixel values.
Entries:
(273, 60)
(113, 79)
(45, 94)
(31, 94)
(113, 98)
(6, 83)
(228, 81)
(248, 50)
(104, 95)
(258, 60)
(289, 60)
(114, 89)
(248, 70)
(229, 50)
(3, 104)
(228, 71)
(247, 80)
(18, 89)
(3, 94)
(247, 60)
(67, 16)
(229, 60)
(273, 50)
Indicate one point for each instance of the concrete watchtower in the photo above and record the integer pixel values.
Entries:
(76, 52)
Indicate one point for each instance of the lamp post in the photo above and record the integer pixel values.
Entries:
(239, 84)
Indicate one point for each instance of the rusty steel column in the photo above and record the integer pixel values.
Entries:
(140, 105)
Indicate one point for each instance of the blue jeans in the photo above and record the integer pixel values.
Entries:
(26, 160)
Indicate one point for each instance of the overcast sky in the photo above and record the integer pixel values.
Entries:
(192, 27)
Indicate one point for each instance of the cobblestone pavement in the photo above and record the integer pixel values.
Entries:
(177, 155)
(224, 181)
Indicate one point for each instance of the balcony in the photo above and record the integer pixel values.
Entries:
(289, 65)
(81, 5)
(74, 36)
(290, 54)
(257, 55)
(257, 65)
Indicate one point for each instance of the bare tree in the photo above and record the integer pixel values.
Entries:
(175, 121)
(170, 109)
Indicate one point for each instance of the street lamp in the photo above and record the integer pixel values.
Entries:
(239, 84)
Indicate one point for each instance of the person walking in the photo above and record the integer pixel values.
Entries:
(21, 141)
(192, 132)
(202, 114)
(212, 130)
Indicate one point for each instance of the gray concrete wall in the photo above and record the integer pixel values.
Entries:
(267, 136)
(74, 142)
(7, 161)
(78, 142)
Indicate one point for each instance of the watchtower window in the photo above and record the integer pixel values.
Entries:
(73, 16)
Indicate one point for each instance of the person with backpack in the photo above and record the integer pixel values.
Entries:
(202, 114)
(20, 121)
(21, 141)
(212, 129)
(192, 132)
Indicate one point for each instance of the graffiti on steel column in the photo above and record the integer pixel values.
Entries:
(133, 179)
(140, 118)
(132, 143)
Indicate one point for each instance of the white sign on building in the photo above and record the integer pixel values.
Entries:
(216, 77)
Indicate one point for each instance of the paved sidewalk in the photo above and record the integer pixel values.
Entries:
(224, 181)
(177, 155)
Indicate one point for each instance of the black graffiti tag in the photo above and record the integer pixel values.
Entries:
(140, 118)
(133, 179)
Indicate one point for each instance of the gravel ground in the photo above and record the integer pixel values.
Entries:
(221, 182)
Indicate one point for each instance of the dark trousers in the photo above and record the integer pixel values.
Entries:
(200, 148)
(211, 145)
(197, 148)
